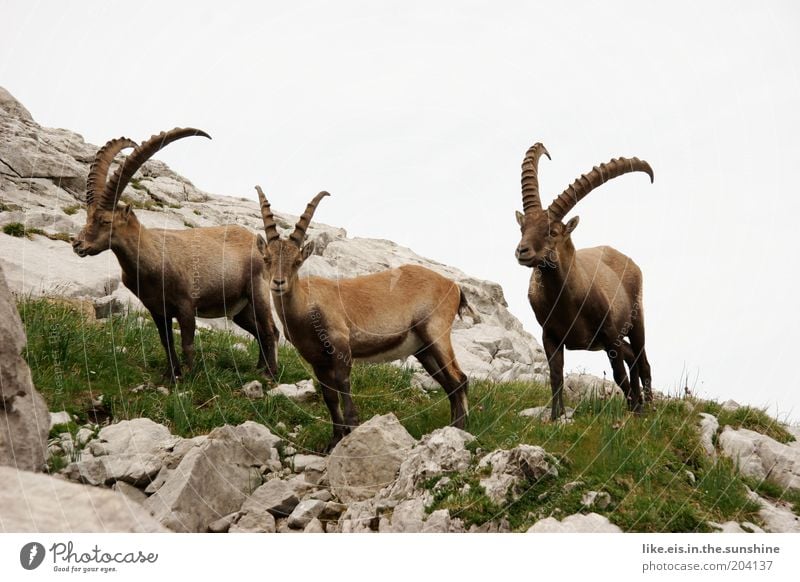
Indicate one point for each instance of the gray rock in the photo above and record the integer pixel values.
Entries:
(437, 522)
(542, 413)
(84, 435)
(709, 425)
(57, 418)
(303, 462)
(254, 522)
(367, 459)
(572, 485)
(223, 524)
(762, 457)
(134, 494)
(314, 526)
(511, 469)
(778, 517)
(442, 451)
(213, 479)
(730, 405)
(302, 391)
(56, 506)
(736, 527)
(253, 390)
(24, 418)
(274, 496)
(140, 435)
(577, 523)
(598, 499)
(322, 495)
(304, 512)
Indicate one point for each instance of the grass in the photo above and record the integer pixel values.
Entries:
(71, 209)
(643, 462)
(19, 230)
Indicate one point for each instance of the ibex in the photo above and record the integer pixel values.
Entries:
(376, 318)
(589, 299)
(207, 272)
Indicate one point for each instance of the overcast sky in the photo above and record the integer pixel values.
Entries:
(416, 118)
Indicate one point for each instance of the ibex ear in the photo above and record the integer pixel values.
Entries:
(520, 218)
(571, 224)
(125, 212)
(308, 249)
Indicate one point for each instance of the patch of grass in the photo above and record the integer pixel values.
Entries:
(188, 224)
(147, 204)
(197, 212)
(14, 229)
(755, 419)
(640, 460)
(71, 209)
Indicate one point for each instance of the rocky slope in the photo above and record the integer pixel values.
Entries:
(42, 187)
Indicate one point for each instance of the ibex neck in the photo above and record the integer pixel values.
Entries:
(130, 244)
(292, 306)
(558, 281)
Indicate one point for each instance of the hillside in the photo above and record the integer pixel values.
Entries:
(220, 451)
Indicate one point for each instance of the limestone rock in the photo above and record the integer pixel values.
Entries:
(24, 418)
(140, 435)
(304, 512)
(51, 505)
(762, 457)
(709, 425)
(314, 526)
(302, 391)
(598, 499)
(254, 522)
(577, 523)
(443, 450)
(214, 478)
(514, 469)
(367, 459)
(274, 496)
(253, 390)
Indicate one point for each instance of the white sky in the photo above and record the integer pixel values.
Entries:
(416, 118)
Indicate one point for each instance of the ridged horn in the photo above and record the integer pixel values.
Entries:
(299, 234)
(98, 172)
(114, 187)
(576, 191)
(266, 215)
(530, 177)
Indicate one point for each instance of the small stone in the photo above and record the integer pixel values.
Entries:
(239, 347)
(302, 391)
(598, 499)
(223, 524)
(57, 418)
(253, 390)
(572, 485)
(322, 495)
(84, 435)
(133, 493)
(314, 526)
(332, 511)
(274, 496)
(254, 522)
(690, 477)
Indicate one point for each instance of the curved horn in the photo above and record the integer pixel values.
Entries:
(266, 214)
(299, 234)
(98, 172)
(576, 191)
(530, 177)
(115, 186)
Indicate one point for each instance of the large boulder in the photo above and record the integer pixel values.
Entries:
(759, 456)
(39, 503)
(214, 478)
(24, 418)
(367, 460)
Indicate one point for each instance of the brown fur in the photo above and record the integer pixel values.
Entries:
(180, 274)
(589, 299)
(380, 317)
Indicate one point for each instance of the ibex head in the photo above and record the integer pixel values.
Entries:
(105, 218)
(283, 258)
(544, 234)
